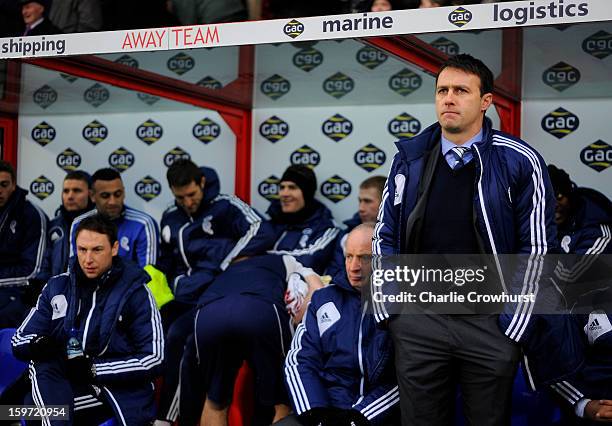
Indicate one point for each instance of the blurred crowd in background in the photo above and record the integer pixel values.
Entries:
(27, 17)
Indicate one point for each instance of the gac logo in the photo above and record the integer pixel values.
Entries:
(335, 189)
(148, 188)
(41, 187)
(305, 156)
(268, 188)
(121, 159)
(43, 133)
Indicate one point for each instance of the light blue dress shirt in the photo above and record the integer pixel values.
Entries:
(467, 157)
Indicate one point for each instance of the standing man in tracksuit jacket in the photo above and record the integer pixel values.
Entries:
(94, 339)
(461, 187)
(23, 232)
(75, 202)
(138, 233)
(339, 370)
(201, 235)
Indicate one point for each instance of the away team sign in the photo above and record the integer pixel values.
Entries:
(411, 21)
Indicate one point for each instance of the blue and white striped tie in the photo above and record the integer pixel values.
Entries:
(458, 153)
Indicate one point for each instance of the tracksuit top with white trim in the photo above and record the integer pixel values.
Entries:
(513, 205)
(339, 358)
(137, 234)
(196, 249)
(589, 228)
(118, 325)
(23, 238)
(311, 242)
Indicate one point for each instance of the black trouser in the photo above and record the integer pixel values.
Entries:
(231, 330)
(435, 353)
(177, 319)
(87, 405)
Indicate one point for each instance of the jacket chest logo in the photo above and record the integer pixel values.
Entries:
(59, 306)
(400, 181)
(565, 243)
(56, 234)
(13, 226)
(165, 234)
(207, 225)
(306, 233)
(327, 315)
(125, 243)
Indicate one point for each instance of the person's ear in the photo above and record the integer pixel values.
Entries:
(115, 248)
(486, 101)
(202, 182)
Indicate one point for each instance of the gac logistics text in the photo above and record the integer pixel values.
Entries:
(414, 276)
(452, 297)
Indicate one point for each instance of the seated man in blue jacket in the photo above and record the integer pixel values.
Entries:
(95, 337)
(301, 226)
(584, 222)
(138, 234)
(23, 231)
(75, 202)
(339, 370)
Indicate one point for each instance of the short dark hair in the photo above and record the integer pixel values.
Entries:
(105, 174)
(6, 167)
(377, 182)
(79, 175)
(182, 172)
(100, 224)
(470, 65)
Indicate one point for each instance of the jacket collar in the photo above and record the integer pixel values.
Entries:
(414, 148)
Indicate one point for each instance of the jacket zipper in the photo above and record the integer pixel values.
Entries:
(93, 306)
(483, 210)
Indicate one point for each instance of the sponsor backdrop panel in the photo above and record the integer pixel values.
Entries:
(343, 72)
(564, 62)
(573, 135)
(53, 139)
(45, 91)
(209, 67)
(567, 98)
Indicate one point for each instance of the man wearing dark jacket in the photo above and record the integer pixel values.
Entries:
(460, 187)
(94, 338)
(300, 225)
(23, 229)
(370, 195)
(202, 233)
(583, 216)
(75, 202)
(338, 371)
(35, 20)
